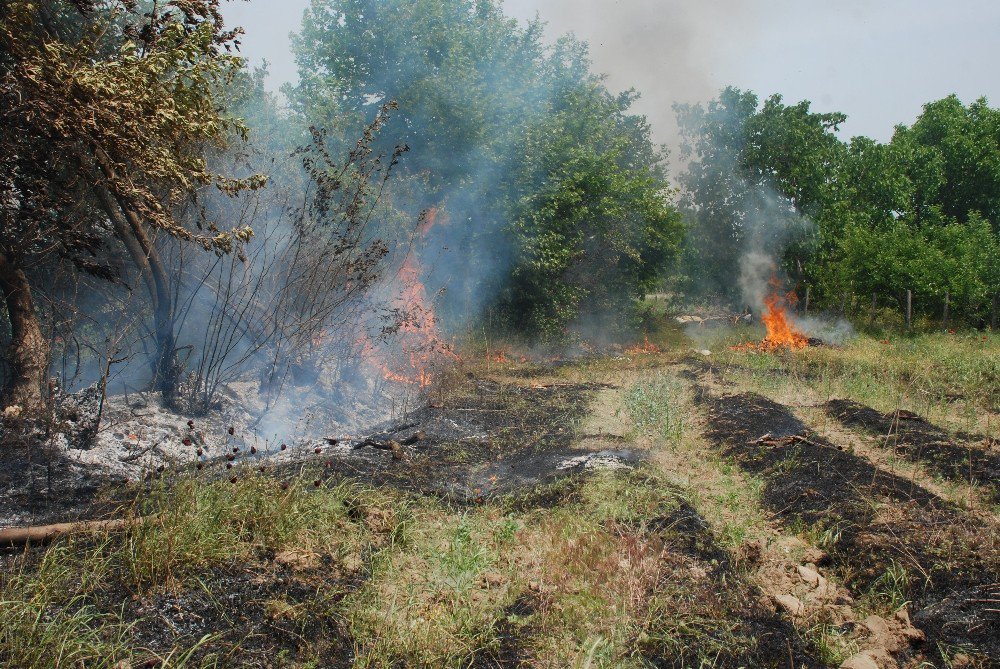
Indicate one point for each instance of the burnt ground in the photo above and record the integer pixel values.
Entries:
(869, 519)
(253, 617)
(41, 485)
(957, 456)
(488, 441)
(513, 445)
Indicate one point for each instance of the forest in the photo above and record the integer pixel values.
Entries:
(437, 358)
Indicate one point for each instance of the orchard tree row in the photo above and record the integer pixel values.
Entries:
(851, 220)
(166, 223)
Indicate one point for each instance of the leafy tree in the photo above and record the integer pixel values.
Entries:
(756, 176)
(553, 193)
(955, 162)
(914, 214)
(593, 226)
(107, 110)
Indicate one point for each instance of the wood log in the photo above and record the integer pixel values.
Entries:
(43, 534)
(414, 438)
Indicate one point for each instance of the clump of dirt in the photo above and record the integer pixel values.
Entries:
(870, 519)
(959, 457)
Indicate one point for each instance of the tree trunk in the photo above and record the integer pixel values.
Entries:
(144, 254)
(28, 352)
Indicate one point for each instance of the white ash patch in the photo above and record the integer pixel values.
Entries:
(592, 461)
(138, 434)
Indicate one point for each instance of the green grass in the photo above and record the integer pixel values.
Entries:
(58, 610)
(47, 618)
(654, 406)
(925, 370)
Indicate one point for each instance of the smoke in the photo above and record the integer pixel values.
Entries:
(770, 224)
(830, 329)
(756, 270)
(671, 51)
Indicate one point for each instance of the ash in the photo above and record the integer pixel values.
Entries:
(487, 439)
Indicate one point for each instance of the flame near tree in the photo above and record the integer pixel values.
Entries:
(415, 335)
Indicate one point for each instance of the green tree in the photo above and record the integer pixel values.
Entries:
(757, 178)
(864, 217)
(593, 226)
(107, 111)
(955, 162)
(553, 191)
(920, 213)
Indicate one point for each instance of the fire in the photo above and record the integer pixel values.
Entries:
(499, 356)
(421, 346)
(781, 333)
(645, 348)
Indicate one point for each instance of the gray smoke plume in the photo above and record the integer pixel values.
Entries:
(671, 51)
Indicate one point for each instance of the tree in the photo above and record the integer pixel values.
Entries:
(107, 110)
(758, 177)
(956, 159)
(914, 214)
(552, 193)
(593, 227)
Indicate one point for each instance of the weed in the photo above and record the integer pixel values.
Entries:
(654, 407)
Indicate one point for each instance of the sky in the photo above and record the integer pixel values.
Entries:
(878, 61)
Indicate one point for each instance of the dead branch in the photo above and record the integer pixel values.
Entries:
(769, 440)
(43, 534)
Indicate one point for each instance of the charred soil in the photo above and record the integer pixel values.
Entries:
(870, 520)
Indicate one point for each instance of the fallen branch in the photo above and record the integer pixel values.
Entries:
(43, 534)
(769, 440)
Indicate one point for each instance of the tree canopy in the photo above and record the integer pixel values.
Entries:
(861, 218)
(553, 191)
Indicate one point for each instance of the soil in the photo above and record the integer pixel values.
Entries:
(41, 485)
(869, 518)
(958, 456)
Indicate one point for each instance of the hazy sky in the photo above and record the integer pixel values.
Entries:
(877, 61)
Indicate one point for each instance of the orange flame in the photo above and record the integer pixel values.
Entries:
(781, 333)
(645, 348)
(420, 342)
(498, 356)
